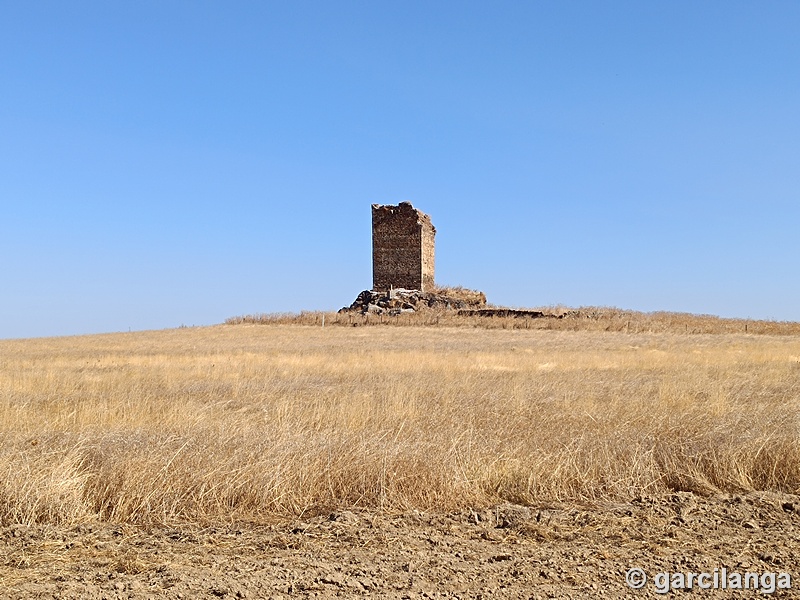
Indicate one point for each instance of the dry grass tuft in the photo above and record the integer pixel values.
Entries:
(247, 423)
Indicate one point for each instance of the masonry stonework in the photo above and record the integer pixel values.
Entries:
(402, 248)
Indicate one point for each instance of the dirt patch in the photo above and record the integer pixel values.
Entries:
(505, 552)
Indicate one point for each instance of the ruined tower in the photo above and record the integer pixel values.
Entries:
(402, 248)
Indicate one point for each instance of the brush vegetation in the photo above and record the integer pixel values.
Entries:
(553, 318)
(250, 422)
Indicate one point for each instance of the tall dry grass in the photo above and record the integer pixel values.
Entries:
(555, 318)
(250, 422)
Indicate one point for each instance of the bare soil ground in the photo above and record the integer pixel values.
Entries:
(510, 551)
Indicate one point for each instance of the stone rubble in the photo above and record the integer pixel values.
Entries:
(399, 301)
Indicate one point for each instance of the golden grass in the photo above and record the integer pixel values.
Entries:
(250, 422)
(555, 318)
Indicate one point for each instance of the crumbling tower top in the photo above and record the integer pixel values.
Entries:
(402, 248)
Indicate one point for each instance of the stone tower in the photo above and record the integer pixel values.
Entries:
(402, 248)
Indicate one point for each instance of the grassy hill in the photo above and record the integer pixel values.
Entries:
(205, 425)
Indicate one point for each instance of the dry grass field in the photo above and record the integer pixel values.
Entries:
(264, 424)
(554, 318)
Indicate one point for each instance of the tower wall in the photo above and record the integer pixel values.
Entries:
(402, 248)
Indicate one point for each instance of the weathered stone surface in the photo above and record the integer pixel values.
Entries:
(402, 248)
(397, 301)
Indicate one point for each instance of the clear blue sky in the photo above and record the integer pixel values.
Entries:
(168, 163)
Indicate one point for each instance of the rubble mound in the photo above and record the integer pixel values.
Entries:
(399, 301)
